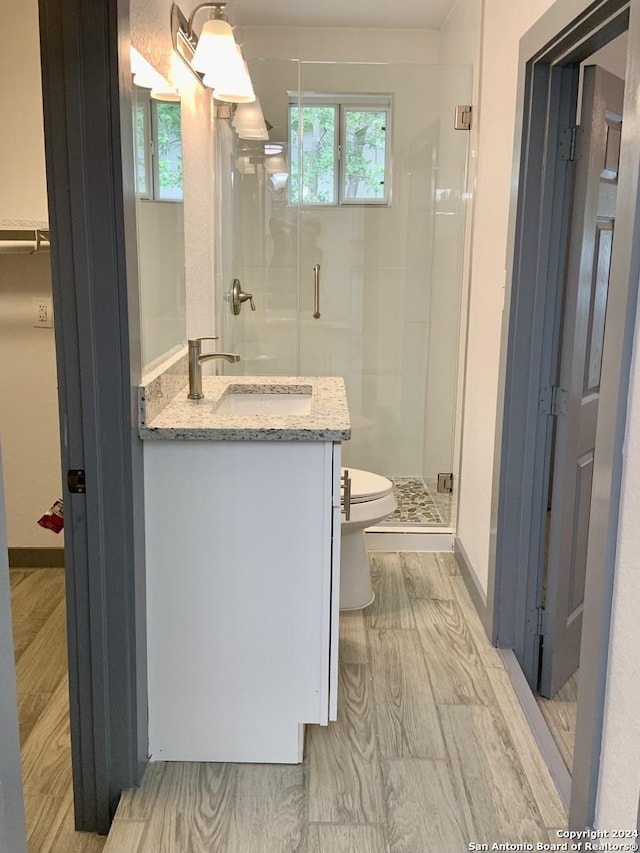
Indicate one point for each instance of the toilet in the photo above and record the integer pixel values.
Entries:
(372, 500)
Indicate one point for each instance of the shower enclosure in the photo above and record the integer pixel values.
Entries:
(347, 226)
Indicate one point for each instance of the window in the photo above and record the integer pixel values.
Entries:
(339, 149)
(158, 149)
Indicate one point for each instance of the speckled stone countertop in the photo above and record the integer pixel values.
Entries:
(194, 420)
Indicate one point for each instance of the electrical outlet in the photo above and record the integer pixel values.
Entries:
(43, 313)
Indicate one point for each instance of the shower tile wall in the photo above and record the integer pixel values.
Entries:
(376, 268)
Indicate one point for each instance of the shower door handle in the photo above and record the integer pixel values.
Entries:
(316, 291)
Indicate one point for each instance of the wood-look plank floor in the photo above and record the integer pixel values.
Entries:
(39, 633)
(430, 751)
(560, 715)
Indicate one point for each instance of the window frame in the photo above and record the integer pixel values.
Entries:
(343, 103)
(151, 158)
(143, 104)
(364, 106)
(318, 101)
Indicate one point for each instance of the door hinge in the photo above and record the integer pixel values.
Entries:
(572, 144)
(463, 119)
(541, 628)
(445, 483)
(554, 401)
(568, 144)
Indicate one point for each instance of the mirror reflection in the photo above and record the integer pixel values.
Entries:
(160, 212)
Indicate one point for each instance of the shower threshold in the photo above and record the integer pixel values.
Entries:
(423, 520)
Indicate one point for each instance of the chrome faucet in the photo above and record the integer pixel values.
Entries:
(195, 365)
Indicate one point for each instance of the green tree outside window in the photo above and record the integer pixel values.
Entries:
(339, 151)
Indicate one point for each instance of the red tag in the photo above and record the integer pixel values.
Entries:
(53, 519)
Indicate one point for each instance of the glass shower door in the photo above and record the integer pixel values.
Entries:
(258, 231)
(361, 187)
(390, 266)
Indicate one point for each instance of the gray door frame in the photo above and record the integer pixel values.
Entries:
(567, 34)
(86, 99)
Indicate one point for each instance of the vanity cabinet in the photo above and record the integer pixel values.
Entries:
(243, 580)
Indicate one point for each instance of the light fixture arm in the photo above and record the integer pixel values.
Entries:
(218, 12)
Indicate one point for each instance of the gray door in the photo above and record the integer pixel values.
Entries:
(91, 187)
(13, 836)
(592, 229)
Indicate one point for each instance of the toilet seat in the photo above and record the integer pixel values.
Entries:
(367, 486)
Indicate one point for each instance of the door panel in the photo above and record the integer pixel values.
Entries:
(586, 291)
(584, 479)
(604, 242)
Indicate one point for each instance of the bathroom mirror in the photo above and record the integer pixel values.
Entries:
(160, 214)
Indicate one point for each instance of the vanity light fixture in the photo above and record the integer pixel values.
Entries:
(145, 76)
(232, 84)
(214, 55)
(165, 93)
(249, 122)
(275, 164)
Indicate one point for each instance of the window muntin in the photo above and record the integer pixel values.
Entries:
(343, 142)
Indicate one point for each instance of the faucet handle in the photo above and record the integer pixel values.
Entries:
(237, 296)
(194, 343)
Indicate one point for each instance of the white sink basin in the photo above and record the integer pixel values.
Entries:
(274, 404)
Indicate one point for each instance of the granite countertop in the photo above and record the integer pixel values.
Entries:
(186, 419)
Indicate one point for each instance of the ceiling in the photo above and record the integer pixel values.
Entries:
(411, 14)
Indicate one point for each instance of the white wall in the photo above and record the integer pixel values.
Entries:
(341, 44)
(28, 402)
(28, 394)
(23, 194)
(619, 787)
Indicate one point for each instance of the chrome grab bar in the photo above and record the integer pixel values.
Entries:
(316, 291)
(346, 498)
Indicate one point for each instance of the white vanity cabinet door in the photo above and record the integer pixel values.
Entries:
(242, 544)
